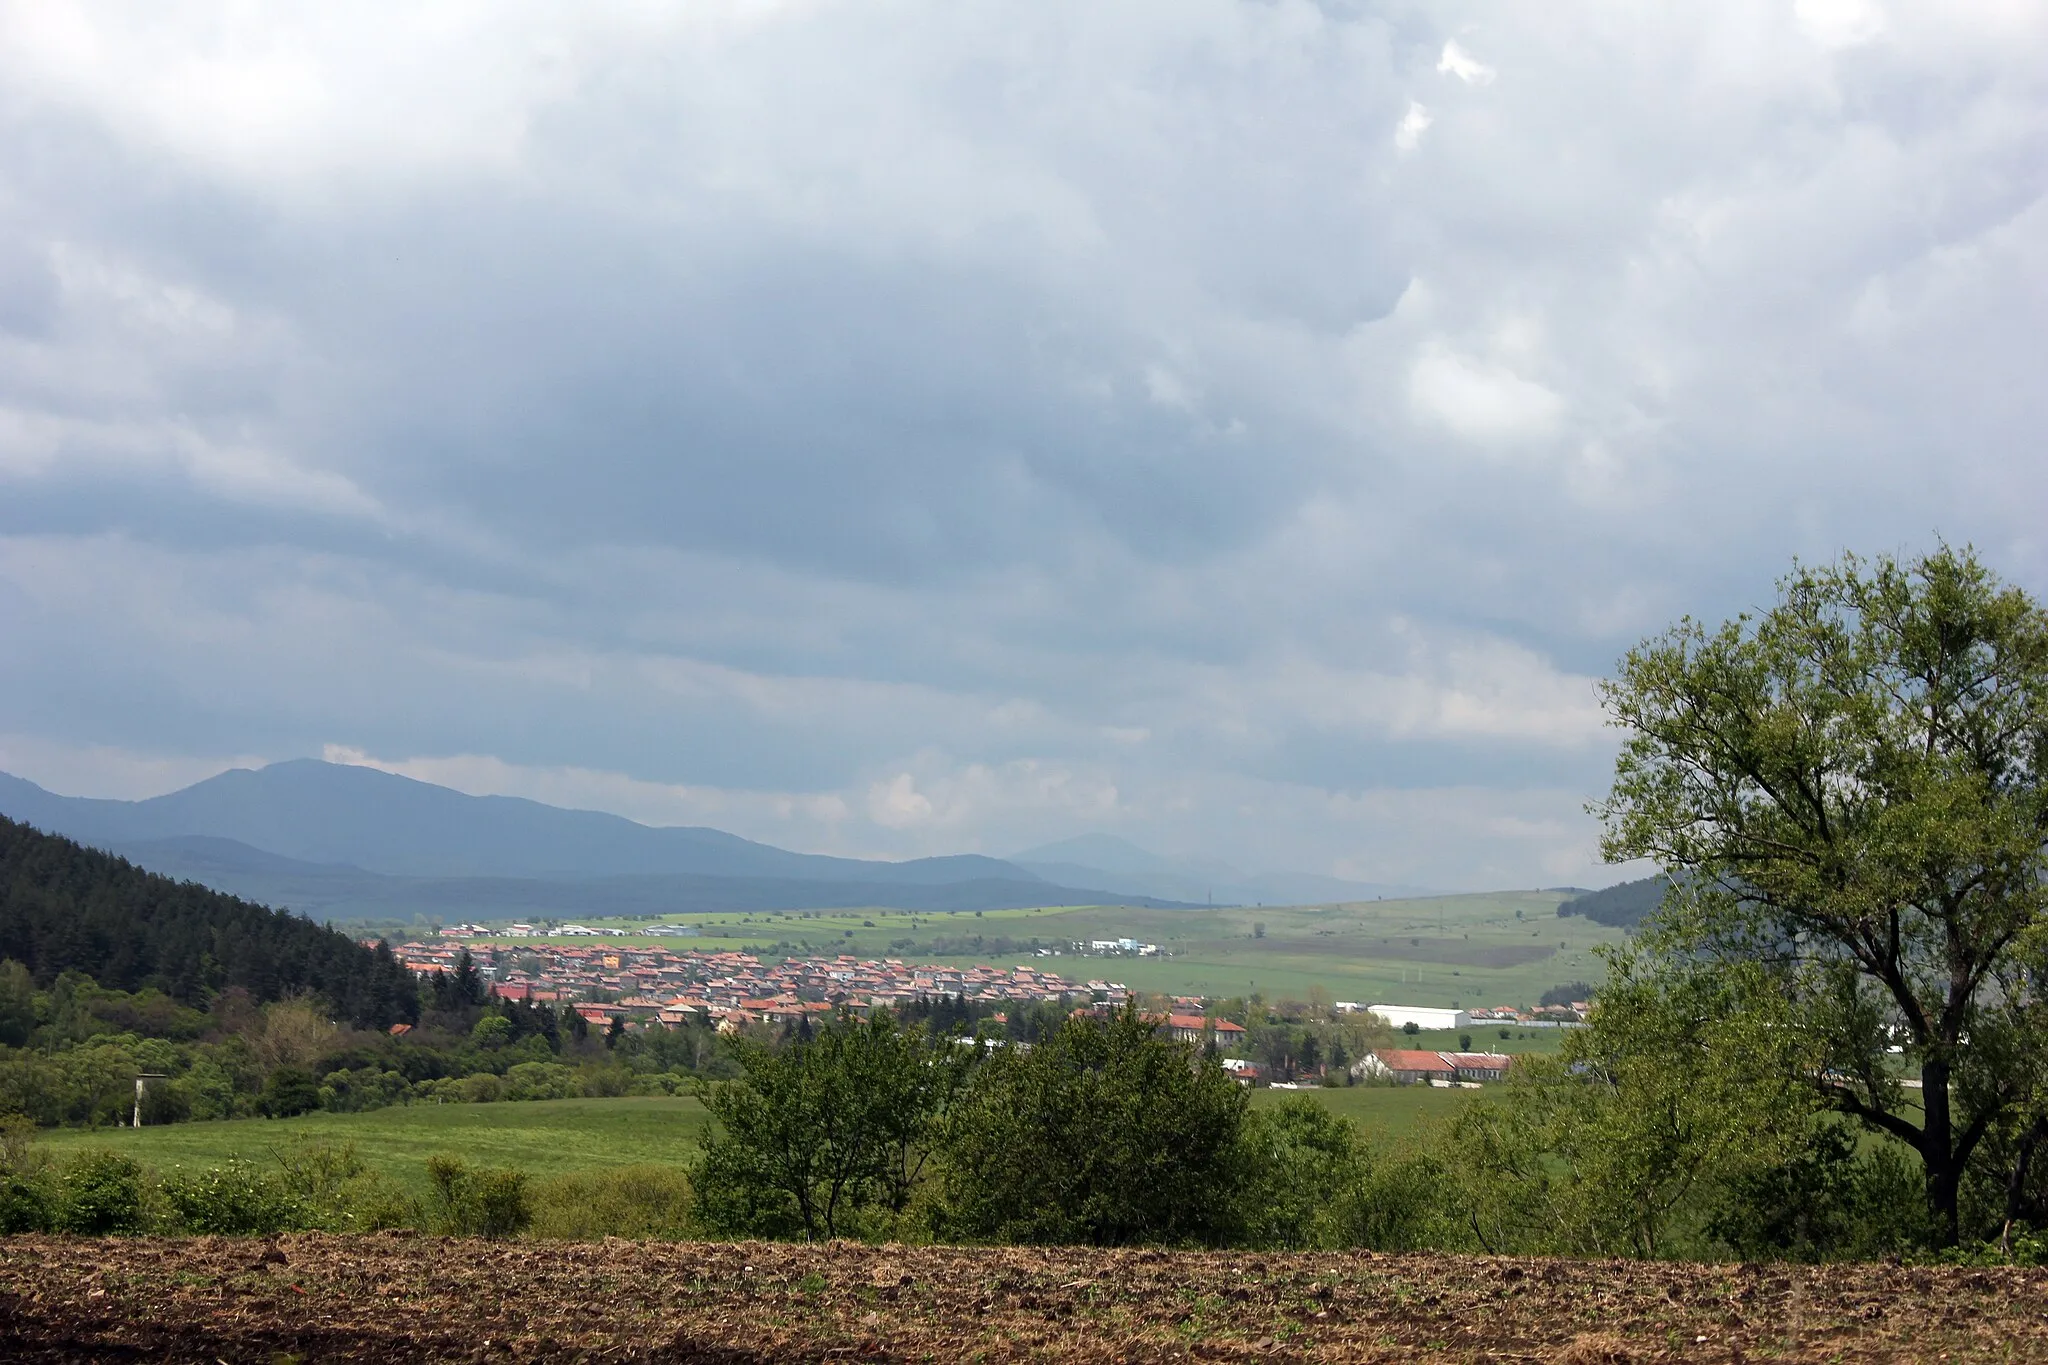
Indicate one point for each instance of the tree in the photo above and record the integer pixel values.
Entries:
(1685, 1081)
(1849, 788)
(17, 1004)
(817, 1138)
(1106, 1133)
(1306, 1177)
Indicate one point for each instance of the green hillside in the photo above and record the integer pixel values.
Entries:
(68, 908)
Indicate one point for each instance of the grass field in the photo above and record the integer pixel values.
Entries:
(544, 1137)
(547, 1137)
(1497, 948)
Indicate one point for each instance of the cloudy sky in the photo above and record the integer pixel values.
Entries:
(890, 427)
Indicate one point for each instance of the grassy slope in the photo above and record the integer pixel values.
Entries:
(1467, 950)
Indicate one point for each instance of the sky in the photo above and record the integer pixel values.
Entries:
(891, 427)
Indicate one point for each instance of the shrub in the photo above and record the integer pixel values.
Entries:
(626, 1201)
(99, 1193)
(1105, 1133)
(365, 1088)
(477, 1202)
(27, 1201)
(604, 1082)
(482, 1088)
(341, 1194)
(540, 1081)
(290, 1091)
(828, 1138)
(1306, 1166)
(167, 1102)
(236, 1198)
(1407, 1202)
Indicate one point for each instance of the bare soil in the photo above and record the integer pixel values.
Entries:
(399, 1297)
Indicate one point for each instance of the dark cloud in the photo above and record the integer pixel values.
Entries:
(1247, 427)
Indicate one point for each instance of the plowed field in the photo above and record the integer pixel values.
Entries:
(394, 1297)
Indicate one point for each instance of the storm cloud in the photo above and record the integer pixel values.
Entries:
(895, 428)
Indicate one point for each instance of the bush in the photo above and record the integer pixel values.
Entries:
(1106, 1133)
(1407, 1202)
(540, 1081)
(339, 1192)
(100, 1193)
(604, 1082)
(1307, 1165)
(477, 1202)
(482, 1088)
(828, 1138)
(234, 1199)
(361, 1089)
(290, 1091)
(626, 1201)
(1828, 1201)
(27, 1199)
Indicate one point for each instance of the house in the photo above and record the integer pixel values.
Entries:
(1195, 1028)
(1479, 1066)
(1407, 1067)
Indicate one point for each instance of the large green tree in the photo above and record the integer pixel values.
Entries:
(1850, 787)
(1685, 1083)
(819, 1138)
(1107, 1133)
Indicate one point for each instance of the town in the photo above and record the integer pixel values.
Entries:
(636, 985)
(640, 984)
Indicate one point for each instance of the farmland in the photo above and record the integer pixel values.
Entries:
(401, 1298)
(1495, 948)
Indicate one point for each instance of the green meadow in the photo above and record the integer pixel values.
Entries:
(1495, 948)
(550, 1137)
(544, 1137)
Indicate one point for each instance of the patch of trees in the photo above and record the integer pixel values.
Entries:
(1623, 906)
(69, 1054)
(1107, 1132)
(1567, 994)
(68, 908)
(973, 945)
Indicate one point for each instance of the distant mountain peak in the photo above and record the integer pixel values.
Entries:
(310, 818)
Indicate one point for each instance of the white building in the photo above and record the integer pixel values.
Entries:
(1422, 1016)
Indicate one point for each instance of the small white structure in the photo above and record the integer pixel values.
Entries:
(1422, 1016)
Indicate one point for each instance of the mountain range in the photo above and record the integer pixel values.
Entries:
(348, 843)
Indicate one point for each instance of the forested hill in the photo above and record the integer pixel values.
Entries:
(1624, 906)
(66, 907)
